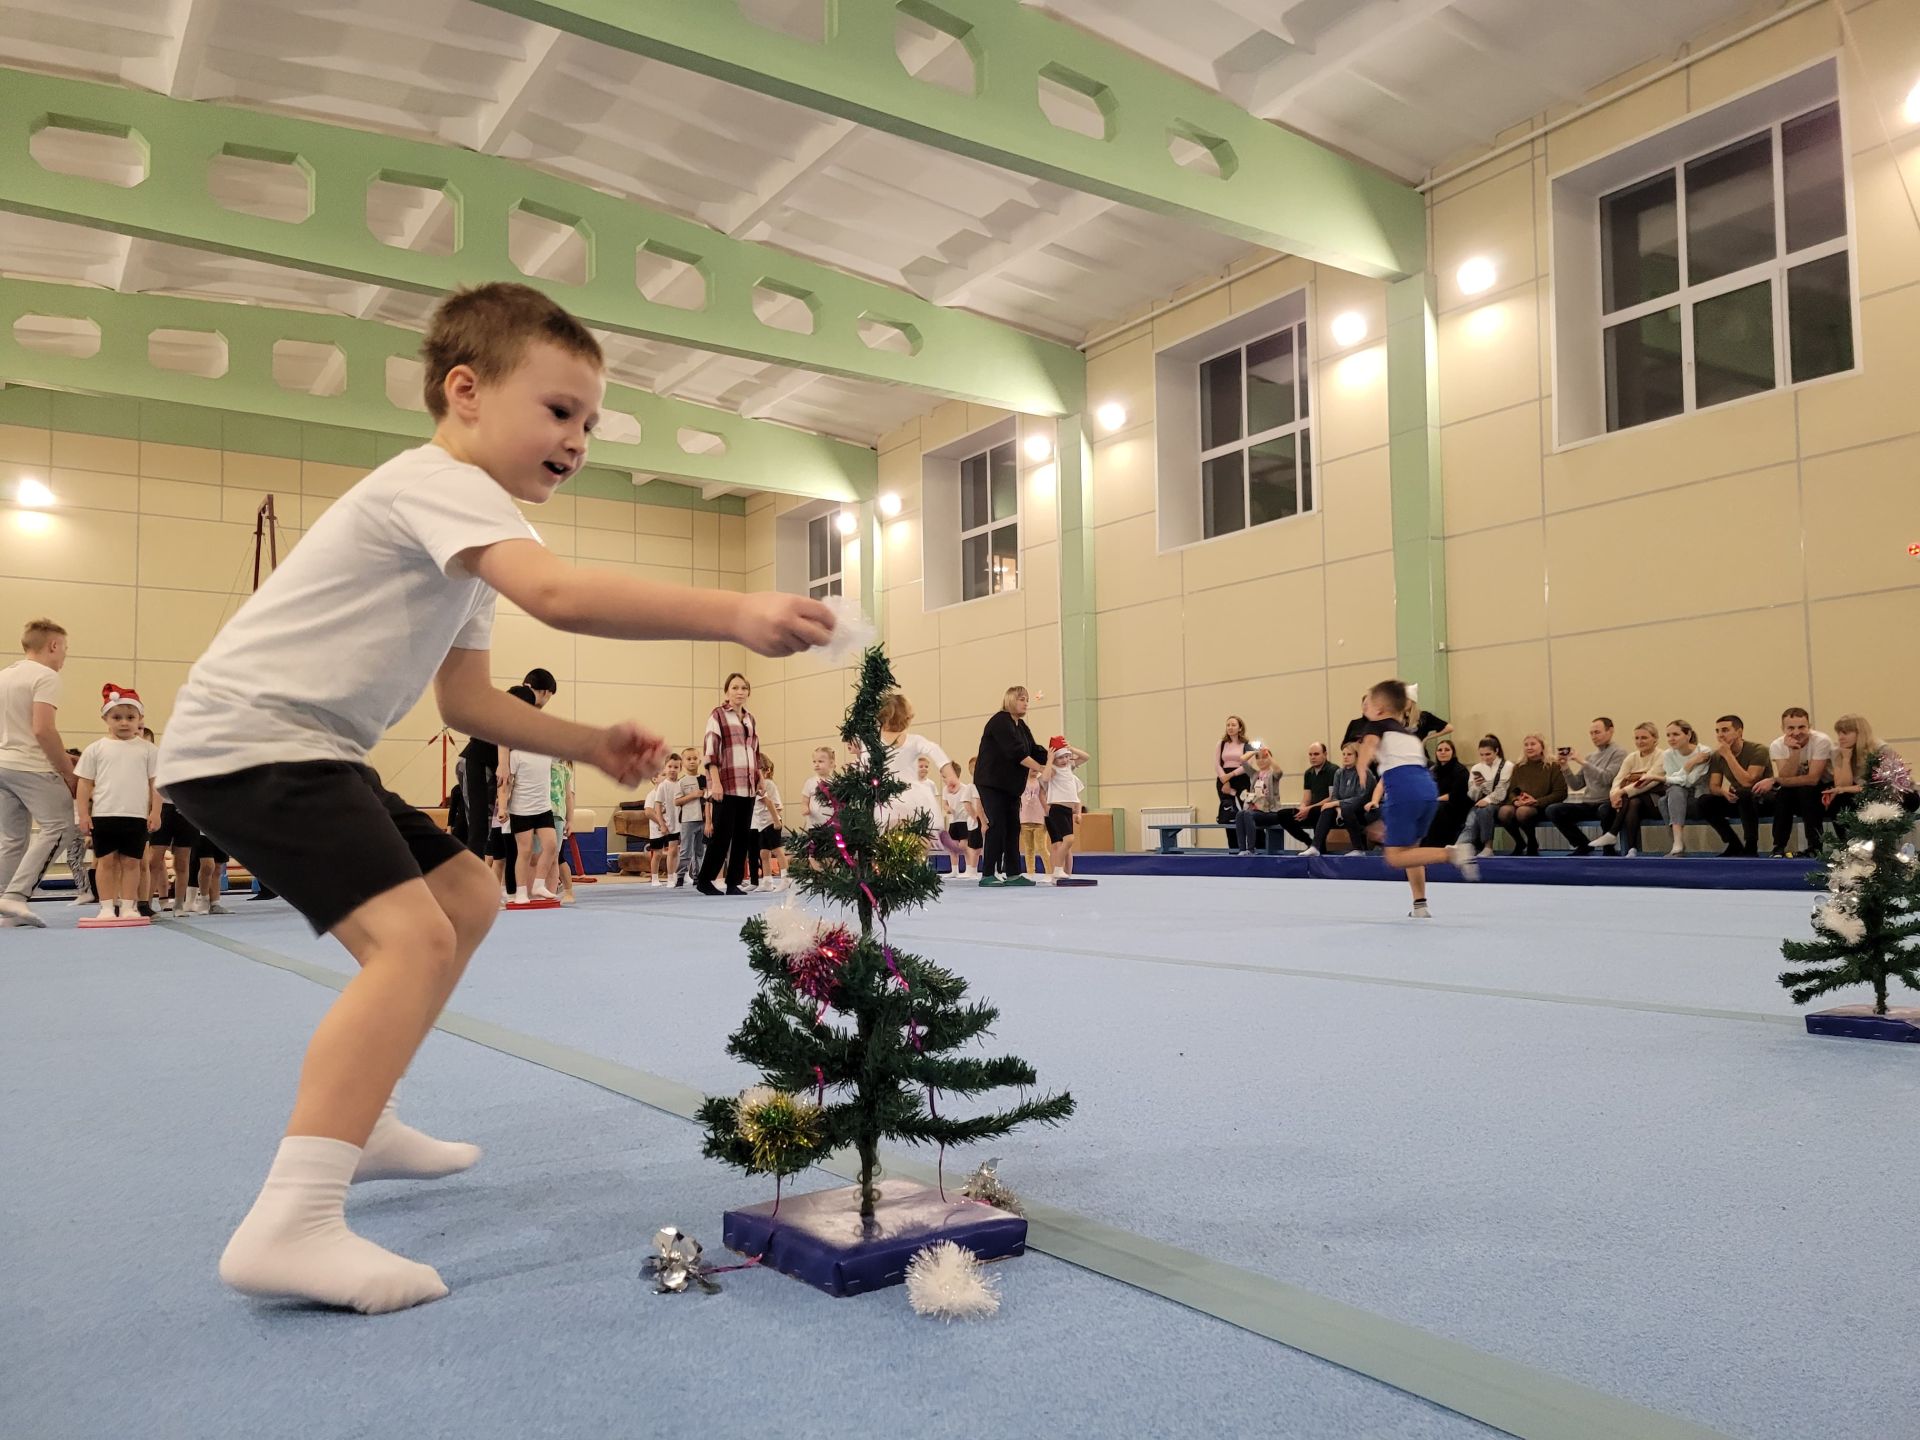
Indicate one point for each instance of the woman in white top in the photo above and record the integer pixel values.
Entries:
(904, 751)
(1487, 788)
(1638, 786)
(1684, 764)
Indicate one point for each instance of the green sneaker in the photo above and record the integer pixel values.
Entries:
(1013, 880)
(993, 880)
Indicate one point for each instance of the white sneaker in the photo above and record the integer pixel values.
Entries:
(1605, 840)
(1311, 850)
(106, 912)
(1464, 860)
(213, 907)
(16, 910)
(1419, 911)
(519, 897)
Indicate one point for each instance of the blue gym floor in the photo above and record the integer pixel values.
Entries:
(1577, 1129)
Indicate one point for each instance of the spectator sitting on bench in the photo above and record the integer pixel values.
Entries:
(1318, 787)
(1854, 750)
(1738, 764)
(1538, 784)
(1639, 787)
(1454, 782)
(1487, 785)
(1684, 762)
(1260, 801)
(1590, 791)
(1346, 805)
(1802, 757)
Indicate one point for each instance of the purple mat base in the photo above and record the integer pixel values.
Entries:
(1858, 1022)
(821, 1239)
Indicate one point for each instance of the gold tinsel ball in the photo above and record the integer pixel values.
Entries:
(784, 1131)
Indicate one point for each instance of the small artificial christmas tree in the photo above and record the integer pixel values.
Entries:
(1867, 925)
(852, 1036)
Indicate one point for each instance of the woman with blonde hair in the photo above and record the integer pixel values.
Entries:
(1008, 754)
(1638, 786)
(1855, 748)
(1537, 783)
(1230, 762)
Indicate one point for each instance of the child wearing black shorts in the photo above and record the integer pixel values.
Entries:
(266, 753)
(115, 802)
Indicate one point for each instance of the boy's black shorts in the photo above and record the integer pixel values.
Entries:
(1059, 822)
(499, 843)
(772, 839)
(119, 835)
(520, 824)
(325, 835)
(661, 842)
(175, 829)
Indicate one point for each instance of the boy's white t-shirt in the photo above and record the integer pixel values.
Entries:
(1063, 787)
(120, 770)
(814, 794)
(693, 800)
(342, 640)
(24, 684)
(532, 792)
(762, 812)
(956, 802)
(665, 797)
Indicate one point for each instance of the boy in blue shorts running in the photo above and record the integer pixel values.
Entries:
(1387, 739)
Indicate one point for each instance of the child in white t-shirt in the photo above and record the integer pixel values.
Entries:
(770, 844)
(960, 803)
(1064, 789)
(695, 809)
(391, 589)
(813, 794)
(663, 825)
(115, 802)
(526, 799)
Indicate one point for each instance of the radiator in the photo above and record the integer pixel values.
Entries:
(1153, 815)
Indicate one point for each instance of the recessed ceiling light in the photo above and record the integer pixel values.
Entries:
(1476, 275)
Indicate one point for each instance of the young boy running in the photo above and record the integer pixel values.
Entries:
(267, 748)
(1387, 738)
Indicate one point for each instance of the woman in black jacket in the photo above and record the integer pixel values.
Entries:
(1008, 755)
(1452, 778)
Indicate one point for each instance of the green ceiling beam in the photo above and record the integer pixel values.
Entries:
(945, 352)
(756, 455)
(1272, 187)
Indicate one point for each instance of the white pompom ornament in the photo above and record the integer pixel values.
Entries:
(948, 1281)
(791, 931)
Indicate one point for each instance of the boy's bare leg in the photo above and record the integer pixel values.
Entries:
(523, 865)
(412, 944)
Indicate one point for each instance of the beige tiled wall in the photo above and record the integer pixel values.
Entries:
(1283, 625)
(151, 548)
(1743, 559)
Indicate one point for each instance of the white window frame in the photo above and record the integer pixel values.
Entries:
(1301, 424)
(835, 577)
(989, 526)
(1578, 350)
(1773, 270)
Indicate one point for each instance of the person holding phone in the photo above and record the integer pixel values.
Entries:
(1590, 791)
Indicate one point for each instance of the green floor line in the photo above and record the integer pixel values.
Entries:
(1284, 972)
(1525, 1403)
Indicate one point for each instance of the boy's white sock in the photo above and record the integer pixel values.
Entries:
(540, 890)
(295, 1242)
(107, 911)
(397, 1151)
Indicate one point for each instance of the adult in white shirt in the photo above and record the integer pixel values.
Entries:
(36, 773)
(1801, 757)
(1684, 763)
(904, 751)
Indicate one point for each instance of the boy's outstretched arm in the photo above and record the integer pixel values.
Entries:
(463, 688)
(620, 607)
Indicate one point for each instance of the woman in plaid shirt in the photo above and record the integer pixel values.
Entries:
(732, 759)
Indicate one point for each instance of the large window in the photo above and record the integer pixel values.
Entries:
(989, 522)
(1256, 457)
(823, 557)
(1726, 274)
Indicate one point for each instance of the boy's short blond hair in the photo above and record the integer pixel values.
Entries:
(826, 750)
(487, 328)
(39, 632)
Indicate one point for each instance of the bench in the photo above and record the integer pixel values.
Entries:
(1271, 841)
